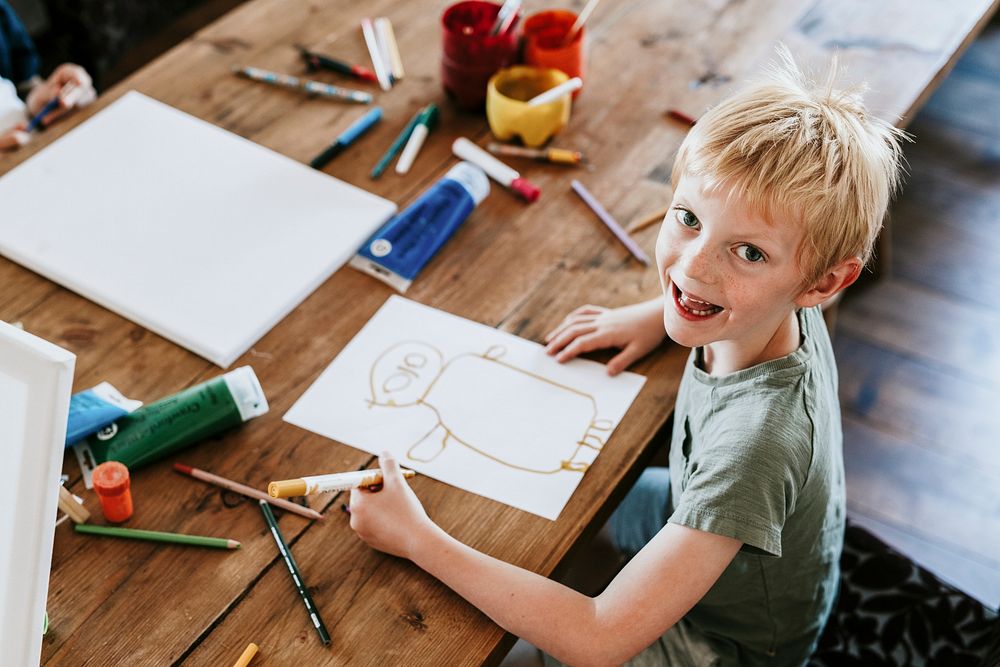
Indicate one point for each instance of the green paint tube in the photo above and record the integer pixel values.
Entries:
(175, 422)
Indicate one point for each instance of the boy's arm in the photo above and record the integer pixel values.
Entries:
(658, 586)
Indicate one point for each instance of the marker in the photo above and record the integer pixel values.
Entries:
(304, 85)
(157, 536)
(580, 20)
(496, 169)
(341, 481)
(610, 222)
(293, 569)
(246, 491)
(381, 68)
(426, 120)
(396, 146)
(555, 155)
(316, 61)
(681, 117)
(67, 96)
(248, 653)
(347, 137)
(553, 94)
(389, 48)
(505, 17)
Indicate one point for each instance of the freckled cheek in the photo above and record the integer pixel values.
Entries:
(664, 251)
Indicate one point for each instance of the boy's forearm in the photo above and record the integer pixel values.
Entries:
(557, 619)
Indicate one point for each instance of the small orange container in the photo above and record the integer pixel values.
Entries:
(113, 487)
(544, 34)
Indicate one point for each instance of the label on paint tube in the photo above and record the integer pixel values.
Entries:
(95, 408)
(397, 252)
(175, 422)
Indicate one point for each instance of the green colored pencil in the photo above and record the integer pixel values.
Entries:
(157, 536)
(293, 569)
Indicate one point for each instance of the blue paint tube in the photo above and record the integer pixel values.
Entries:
(403, 246)
(95, 408)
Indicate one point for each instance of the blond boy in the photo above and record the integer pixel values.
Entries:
(779, 194)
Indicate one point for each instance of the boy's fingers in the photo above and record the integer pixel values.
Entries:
(579, 346)
(623, 360)
(390, 468)
(568, 335)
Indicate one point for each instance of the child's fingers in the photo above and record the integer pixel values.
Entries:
(623, 359)
(580, 345)
(587, 312)
(391, 474)
(568, 336)
(14, 139)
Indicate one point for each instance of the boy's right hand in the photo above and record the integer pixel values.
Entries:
(636, 329)
(15, 137)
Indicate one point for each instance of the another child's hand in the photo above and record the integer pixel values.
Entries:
(70, 83)
(636, 330)
(391, 519)
(15, 137)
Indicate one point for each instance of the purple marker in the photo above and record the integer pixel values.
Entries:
(611, 223)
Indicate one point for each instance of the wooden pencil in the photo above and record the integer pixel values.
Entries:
(158, 536)
(248, 491)
(647, 220)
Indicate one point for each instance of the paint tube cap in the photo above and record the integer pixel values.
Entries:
(111, 479)
(526, 189)
(247, 392)
(472, 178)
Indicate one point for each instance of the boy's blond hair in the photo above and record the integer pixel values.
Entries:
(789, 146)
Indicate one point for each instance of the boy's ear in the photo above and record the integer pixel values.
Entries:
(835, 279)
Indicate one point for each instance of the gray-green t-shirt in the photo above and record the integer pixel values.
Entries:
(756, 455)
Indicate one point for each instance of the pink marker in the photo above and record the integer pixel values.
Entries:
(495, 169)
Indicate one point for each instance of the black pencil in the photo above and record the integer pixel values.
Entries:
(293, 569)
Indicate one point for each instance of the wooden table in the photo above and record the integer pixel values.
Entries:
(513, 266)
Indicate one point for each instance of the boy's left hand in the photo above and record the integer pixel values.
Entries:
(391, 519)
(81, 94)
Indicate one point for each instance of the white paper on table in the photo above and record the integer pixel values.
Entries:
(204, 237)
(469, 405)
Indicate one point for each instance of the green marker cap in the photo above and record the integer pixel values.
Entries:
(429, 116)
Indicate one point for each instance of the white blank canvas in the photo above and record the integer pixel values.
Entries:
(189, 230)
(467, 404)
(36, 379)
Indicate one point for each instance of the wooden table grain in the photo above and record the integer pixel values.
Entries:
(513, 266)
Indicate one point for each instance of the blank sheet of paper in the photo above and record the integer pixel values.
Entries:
(469, 405)
(189, 230)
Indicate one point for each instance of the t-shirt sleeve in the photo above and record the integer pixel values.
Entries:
(744, 481)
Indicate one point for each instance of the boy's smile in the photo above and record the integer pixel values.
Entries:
(730, 278)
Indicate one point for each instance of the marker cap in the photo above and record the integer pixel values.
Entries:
(526, 189)
(112, 484)
(287, 488)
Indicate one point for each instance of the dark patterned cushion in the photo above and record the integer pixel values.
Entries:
(893, 612)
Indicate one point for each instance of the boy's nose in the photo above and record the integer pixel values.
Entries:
(698, 262)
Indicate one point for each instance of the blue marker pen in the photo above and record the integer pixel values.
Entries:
(40, 116)
(357, 128)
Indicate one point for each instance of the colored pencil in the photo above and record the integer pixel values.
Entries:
(248, 653)
(245, 490)
(552, 154)
(505, 17)
(158, 536)
(293, 569)
(647, 220)
(609, 222)
(303, 85)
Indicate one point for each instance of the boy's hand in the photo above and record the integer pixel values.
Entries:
(391, 519)
(70, 83)
(15, 137)
(636, 329)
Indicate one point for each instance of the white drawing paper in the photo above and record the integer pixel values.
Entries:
(469, 405)
(197, 234)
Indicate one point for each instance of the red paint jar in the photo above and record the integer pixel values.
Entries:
(544, 37)
(113, 487)
(470, 54)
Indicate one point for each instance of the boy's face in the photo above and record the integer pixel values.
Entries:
(726, 273)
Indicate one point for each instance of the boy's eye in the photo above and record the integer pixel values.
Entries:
(750, 253)
(686, 218)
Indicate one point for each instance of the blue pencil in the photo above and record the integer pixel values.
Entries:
(40, 116)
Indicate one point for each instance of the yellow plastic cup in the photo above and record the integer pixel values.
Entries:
(510, 116)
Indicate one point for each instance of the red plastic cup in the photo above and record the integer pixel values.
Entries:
(544, 37)
(113, 487)
(471, 55)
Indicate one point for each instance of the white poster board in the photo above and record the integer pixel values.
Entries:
(467, 404)
(199, 235)
(36, 379)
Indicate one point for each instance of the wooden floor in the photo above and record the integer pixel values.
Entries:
(919, 352)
